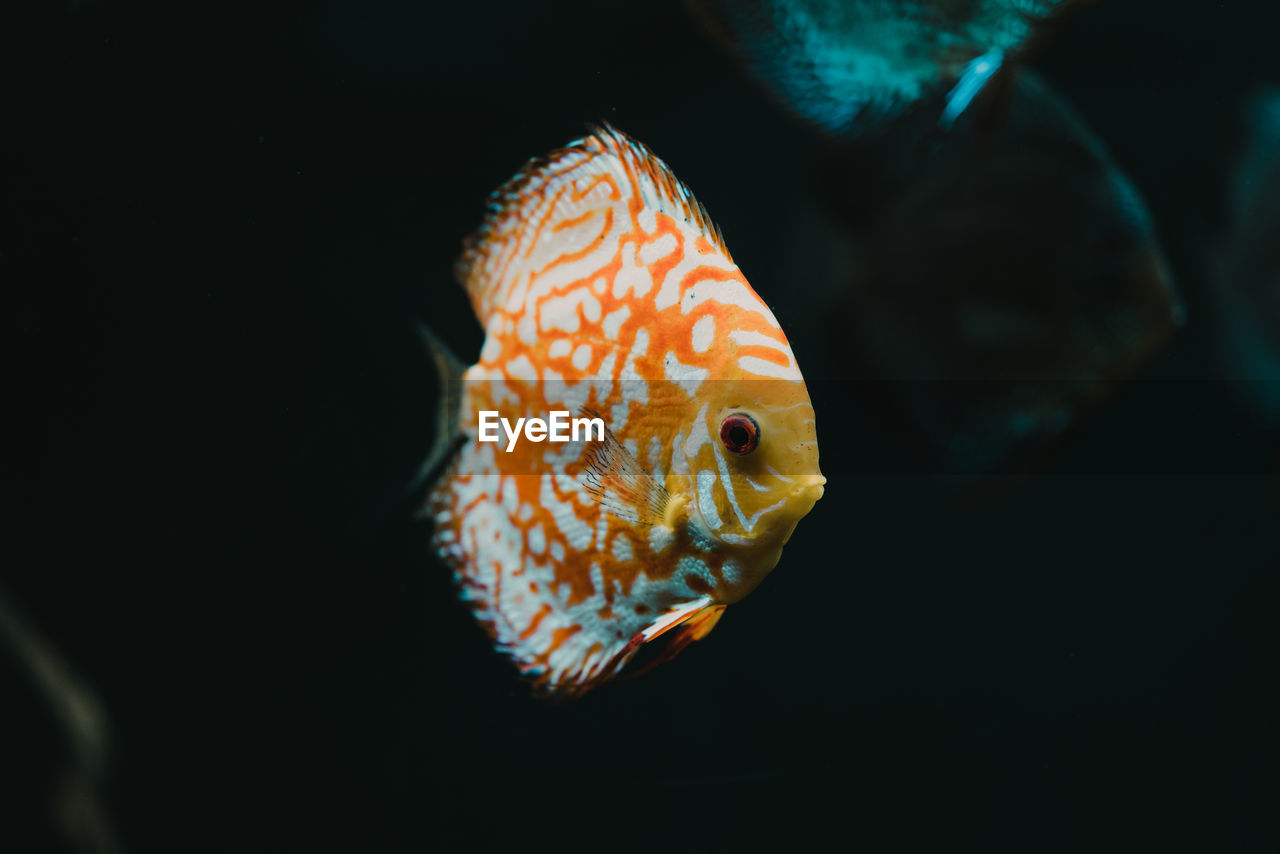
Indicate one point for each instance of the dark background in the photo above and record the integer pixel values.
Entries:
(220, 223)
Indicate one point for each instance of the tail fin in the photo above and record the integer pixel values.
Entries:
(449, 404)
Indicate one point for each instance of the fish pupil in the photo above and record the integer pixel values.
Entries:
(740, 433)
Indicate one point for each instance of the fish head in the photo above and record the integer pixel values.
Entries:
(751, 456)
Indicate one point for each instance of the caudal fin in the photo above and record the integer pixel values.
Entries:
(449, 370)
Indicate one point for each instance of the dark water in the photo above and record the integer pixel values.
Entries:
(220, 222)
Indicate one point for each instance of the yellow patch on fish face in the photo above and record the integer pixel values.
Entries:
(754, 475)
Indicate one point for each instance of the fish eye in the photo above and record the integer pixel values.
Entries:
(740, 433)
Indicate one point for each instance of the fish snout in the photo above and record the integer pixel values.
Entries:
(811, 486)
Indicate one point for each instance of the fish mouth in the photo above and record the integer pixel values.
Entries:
(809, 489)
(811, 486)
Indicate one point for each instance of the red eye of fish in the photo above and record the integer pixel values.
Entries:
(740, 433)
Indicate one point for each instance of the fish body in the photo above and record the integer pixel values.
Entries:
(604, 290)
(1045, 280)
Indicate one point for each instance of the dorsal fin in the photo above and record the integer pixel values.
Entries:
(557, 207)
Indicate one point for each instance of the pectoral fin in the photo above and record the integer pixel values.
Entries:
(619, 484)
(973, 80)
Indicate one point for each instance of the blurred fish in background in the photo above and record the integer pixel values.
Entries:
(1001, 286)
(988, 278)
(1247, 266)
(847, 66)
(62, 358)
(57, 718)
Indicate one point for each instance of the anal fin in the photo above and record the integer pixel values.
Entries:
(686, 623)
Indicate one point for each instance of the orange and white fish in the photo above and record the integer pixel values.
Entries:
(605, 290)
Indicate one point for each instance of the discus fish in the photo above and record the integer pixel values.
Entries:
(604, 290)
(1044, 276)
